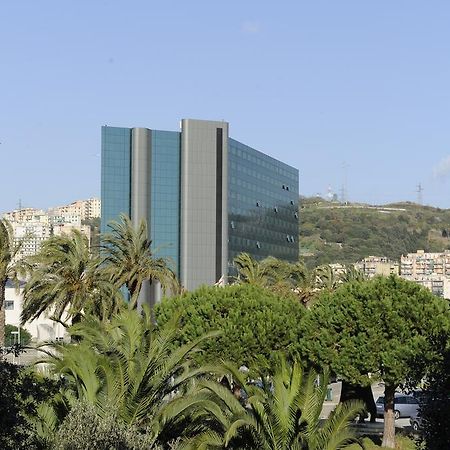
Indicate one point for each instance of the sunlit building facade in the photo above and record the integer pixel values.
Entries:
(206, 197)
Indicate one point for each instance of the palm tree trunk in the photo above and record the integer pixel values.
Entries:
(389, 419)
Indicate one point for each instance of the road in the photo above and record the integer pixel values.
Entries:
(366, 428)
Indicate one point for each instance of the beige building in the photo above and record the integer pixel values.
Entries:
(431, 270)
(33, 226)
(422, 263)
(85, 209)
(378, 265)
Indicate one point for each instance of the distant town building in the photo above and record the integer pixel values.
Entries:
(377, 265)
(431, 270)
(85, 209)
(33, 226)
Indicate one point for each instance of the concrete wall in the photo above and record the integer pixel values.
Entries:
(204, 230)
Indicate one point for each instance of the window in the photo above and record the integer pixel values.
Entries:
(9, 305)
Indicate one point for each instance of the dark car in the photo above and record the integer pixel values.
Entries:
(404, 405)
(416, 421)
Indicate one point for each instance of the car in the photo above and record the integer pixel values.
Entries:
(405, 405)
(416, 421)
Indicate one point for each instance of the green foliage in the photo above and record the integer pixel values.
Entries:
(21, 392)
(84, 429)
(254, 323)
(383, 326)
(10, 339)
(127, 367)
(282, 414)
(435, 404)
(331, 233)
(129, 259)
(65, 279)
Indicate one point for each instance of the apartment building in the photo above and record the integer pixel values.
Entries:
(431, 270)
(378, 265)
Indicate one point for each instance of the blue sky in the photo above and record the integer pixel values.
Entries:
(318, 84)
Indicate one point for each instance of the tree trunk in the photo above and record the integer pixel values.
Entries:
(389, 419)
(2, 314)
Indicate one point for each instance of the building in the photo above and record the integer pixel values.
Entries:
(431, 270)
(206, 197)
(378, 265)
(422, 264)
(82, 209)
(42, 329)
(33, 226)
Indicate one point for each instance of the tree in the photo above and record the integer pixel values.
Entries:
(21, 392)
(267, 273)
(435, 401)
(130, 260)
(283, 413)
(65, 281)
(84, 429)
(383, 327)
(125, 366)
(282, 277)
(10, 339)
(254, 323)
(9, 251)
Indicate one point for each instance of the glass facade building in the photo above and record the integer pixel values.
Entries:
(206, 197)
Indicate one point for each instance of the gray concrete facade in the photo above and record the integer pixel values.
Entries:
(141, 157)
(204, 215)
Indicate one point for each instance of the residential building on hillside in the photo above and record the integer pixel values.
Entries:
(422, 263)
(378, 265)
(85, 209)
(206, 197)
(27, 215)
(431, 270)
(33, 226)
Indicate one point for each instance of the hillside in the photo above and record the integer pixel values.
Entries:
(332, 232)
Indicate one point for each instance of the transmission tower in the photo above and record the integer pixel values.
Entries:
(419, 194)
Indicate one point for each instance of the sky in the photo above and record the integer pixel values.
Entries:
(355, 94)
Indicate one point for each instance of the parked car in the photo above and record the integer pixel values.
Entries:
(404, 405)
(416, 421)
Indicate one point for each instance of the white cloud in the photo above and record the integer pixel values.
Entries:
(442, 170)
(250, 27)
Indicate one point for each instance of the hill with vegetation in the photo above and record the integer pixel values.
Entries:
(333, 232)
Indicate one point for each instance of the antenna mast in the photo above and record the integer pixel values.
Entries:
(419, 194)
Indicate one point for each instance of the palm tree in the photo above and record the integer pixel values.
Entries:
(284, 414)
(351, 273)
(129, 259)
(126, 366)
(65, 280)
(9, 252)
(270, 272)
